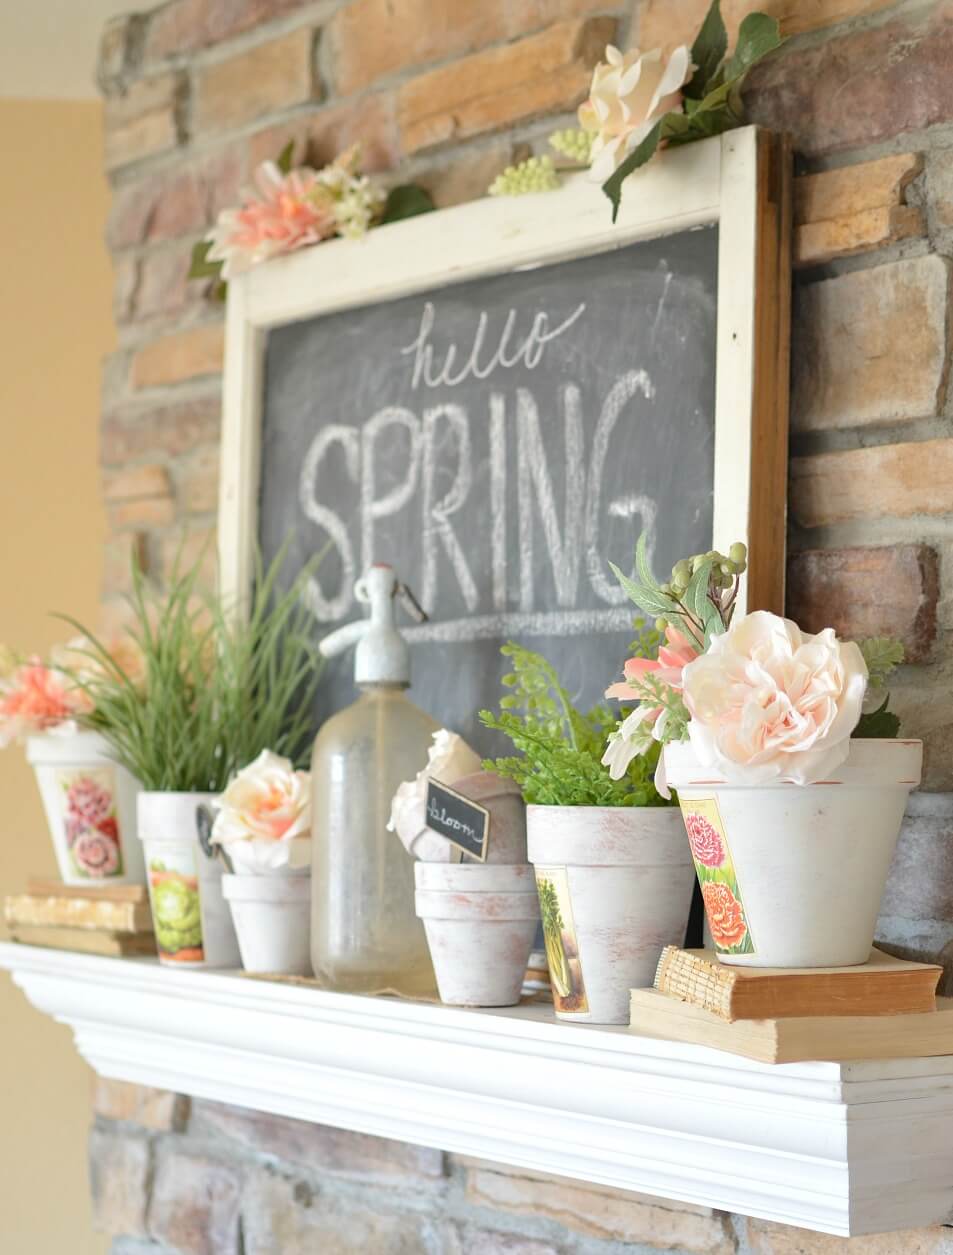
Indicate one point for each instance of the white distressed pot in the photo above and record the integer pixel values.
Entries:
(272, 918)
(480, 921)
(192, 921)
(615, 886)
(793, 875)
(90, 804)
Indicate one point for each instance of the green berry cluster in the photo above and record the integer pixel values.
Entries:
(725, 569)
(573, 143)
(536, 174)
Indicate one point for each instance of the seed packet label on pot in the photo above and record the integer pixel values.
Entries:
(465, 824)
(562, 945)
(176, 905)
(715, 868)
(91, 821)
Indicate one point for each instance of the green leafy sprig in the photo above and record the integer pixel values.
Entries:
(218, 687)
(560, 749)
(882, 655)
(712, 97)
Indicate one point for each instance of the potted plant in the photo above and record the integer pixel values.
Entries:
(791, 778)
(613, 875)
(263, 831)
(219, 689)
(89, 798)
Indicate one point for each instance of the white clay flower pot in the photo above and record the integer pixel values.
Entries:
(272, 917)
(192, 922)
(793, 875)
(504, 802)
(480, 920)
(90, 804)
(615, 887)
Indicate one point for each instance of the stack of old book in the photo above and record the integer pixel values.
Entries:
(885, 1008)
(101, 919)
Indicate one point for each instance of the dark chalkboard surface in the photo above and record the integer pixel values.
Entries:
(498, 442)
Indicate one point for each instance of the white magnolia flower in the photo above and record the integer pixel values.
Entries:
(262, 811)
(629, 93)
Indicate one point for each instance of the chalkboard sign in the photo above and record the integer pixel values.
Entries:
(498, 398)
(464, 823)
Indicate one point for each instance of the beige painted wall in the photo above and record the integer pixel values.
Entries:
(55, 327)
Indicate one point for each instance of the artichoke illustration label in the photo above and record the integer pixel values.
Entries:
(724, 907)
(176, 908)
(559, 935)
(91, 822)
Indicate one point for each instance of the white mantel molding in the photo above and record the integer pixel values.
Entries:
(844, 1148)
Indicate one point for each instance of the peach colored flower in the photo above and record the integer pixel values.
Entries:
(726, 919)
(262, 810)
(706, 844)
(770, 703)
(34, 700)
(629, 93)
(288, 212)
(673, 656)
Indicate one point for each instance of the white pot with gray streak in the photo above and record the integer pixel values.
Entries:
(615, 886)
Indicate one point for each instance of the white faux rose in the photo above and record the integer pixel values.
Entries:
(262, 811)
(629, 93)
(449, 759)
(771, 703)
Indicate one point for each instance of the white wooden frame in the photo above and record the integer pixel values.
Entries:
(738, 180)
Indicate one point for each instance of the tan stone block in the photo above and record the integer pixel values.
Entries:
(174, 202)
(818, 242)
(766, 1238)
(852, 189)
(271, 76)
(119, 1178)
(156, 1109)
(543, 73)
(667, 23)
(146, 513)
(144, 120)
(137, 481)
(181, 355)
(371, 39)
(870, 347)
(188, 25)
(167, 429)
(610, 1215)
(163, 287)
(198, 481)
(898, 480)
(844, 589)
(195, 1202)
(940, 185)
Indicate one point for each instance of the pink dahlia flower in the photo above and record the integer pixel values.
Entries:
(34, 700)
(88, 801)
(285, 212)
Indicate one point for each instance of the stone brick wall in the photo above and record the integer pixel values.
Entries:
(447, 92)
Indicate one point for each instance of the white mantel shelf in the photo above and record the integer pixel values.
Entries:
(844, 1148)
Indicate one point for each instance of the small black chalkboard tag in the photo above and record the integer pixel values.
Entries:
(464, 823)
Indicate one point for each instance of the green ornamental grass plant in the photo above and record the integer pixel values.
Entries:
(216, 686)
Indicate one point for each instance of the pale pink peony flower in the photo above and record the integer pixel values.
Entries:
(264, 808)
(288, 212)
(34, 700)
(629, 93)
(770, 703)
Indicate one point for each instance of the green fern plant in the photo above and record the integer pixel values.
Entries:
(560, 749)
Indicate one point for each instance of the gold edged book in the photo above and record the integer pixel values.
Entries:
(86, 940)
(883, 985)
(794, 1040)
(66, 910)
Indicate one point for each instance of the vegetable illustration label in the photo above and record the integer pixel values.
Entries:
(559, 935)
(176, 907)
(91, 822)
(724, 907)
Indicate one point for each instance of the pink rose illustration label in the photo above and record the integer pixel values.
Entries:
(91, 822)
(724, 906)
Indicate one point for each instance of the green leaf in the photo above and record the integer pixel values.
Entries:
(642, 566)
(201, 267)
(708, 50)
(406, 201)
(647, 599)
(638, 157)
(880, 724)
(696, 595)
(883, 655)
(757, 36)
(285, 159)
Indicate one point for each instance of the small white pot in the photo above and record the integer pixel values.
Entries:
(272, 917)
(193, 924)
(480, 921)
(793, 875)
(615, 885)
(90, 804)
